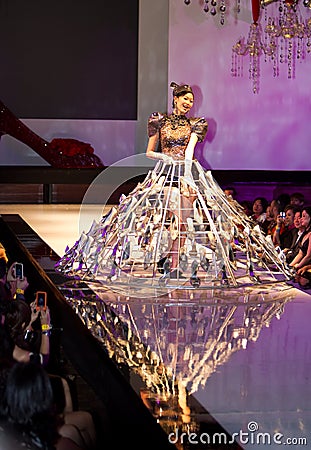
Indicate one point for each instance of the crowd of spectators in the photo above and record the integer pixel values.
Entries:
(286, 220)
(36, 407)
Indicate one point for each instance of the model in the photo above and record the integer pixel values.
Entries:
(177, 229)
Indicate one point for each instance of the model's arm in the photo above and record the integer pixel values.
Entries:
(191, 146)
(151, 147)
(151, 150)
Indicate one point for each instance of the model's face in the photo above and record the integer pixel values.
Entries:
(183, 104)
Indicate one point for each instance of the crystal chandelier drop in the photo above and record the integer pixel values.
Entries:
(290, 36)
(254, 47)
(213, 8)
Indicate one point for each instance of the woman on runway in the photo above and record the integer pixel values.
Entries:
(173, 138)
(177, 228)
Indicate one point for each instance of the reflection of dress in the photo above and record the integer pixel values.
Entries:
(178, 213)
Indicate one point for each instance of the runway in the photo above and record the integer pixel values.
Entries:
(240, 358)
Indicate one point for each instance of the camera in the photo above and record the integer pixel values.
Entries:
(41, 300)
(18, 271)
(282, 214)
(29, 336)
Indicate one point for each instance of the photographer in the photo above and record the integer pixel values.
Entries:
(30, 343)
(285, 228)
(16, 280)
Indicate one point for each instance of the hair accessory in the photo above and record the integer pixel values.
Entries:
(179, 89)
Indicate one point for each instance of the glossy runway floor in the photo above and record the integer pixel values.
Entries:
(243, 357)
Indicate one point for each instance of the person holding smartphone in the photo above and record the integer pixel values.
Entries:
(285, 227)
(17, 281)
(30, 343)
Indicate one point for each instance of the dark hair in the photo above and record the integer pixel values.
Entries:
(264, 202)
(308, 211)
(284, 200)
(18, 313)
(29, 403)
(3, 267)
(179, 89)
(298, 195)
(294, 208)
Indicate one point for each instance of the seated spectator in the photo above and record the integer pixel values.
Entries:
(297, 199)
(270, 225)
(303, 276)
(259, 207)
(285, 228)
(79, 422)
(3, 254)
(10, 286)
(28, 409)
(269, 218)
(29, 342)
(304, 254)
(5, 289)
(247, 207)
(283, 200)
(298, 231)
(17, 285)
(230, 191)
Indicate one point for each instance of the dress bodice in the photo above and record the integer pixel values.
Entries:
(175, 131)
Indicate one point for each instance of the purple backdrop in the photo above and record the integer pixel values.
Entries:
(269, 130)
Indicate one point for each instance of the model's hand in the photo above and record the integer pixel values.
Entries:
(166, 158)
(162, 156)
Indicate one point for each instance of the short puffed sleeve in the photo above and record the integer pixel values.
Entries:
(199, 127)
(154, 123)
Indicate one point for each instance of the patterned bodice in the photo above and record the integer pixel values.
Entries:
(174, 132)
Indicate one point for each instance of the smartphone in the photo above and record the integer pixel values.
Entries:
(19, 271)
(41, 299)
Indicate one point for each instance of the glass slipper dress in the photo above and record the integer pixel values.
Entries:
(175, 230)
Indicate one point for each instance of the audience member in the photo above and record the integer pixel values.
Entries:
(10, 286)
(298, 231)
(270, 223)
(283, 200)
(29, 342)
(17, 285)
(230, 191)
(285, 228)
(297, 199)
(247, 207)
(304, 254)
(28, 408)
(3, 254)
(303, 276)
(259, 207)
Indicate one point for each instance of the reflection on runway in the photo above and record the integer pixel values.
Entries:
(173, 344)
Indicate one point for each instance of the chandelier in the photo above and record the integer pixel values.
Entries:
(254, 48)
(290, 36)
(286, 38)
(213, 8)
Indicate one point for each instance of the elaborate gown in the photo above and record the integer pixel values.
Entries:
(176, 230)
